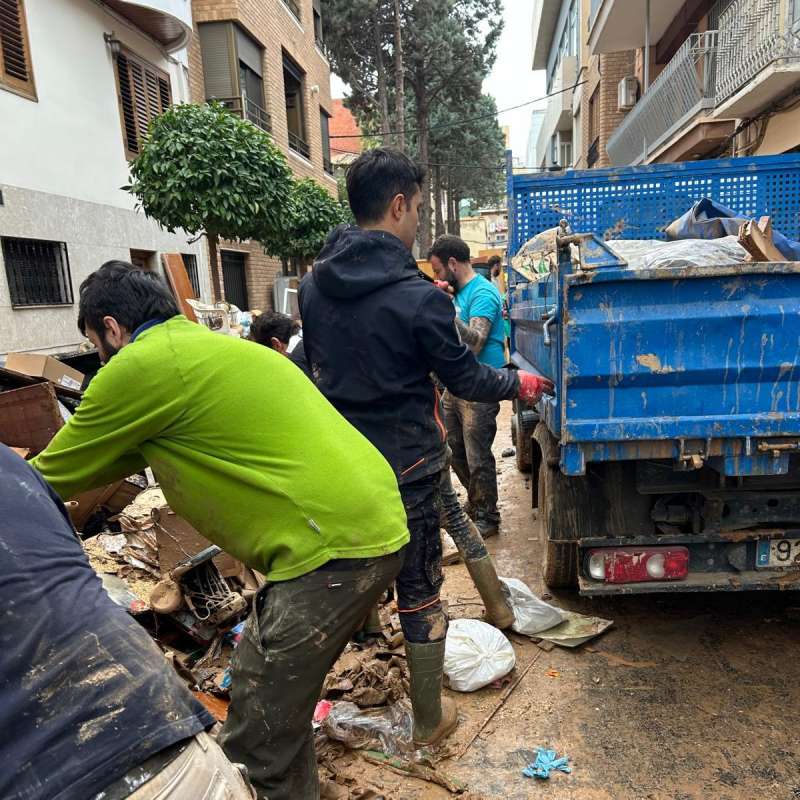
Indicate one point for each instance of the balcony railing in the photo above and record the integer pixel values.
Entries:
(247, 109)
(327, 165)
(593, 153)
(753, 34)
(683, 90)
(298, 145)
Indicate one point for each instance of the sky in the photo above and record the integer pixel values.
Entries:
(511, 81)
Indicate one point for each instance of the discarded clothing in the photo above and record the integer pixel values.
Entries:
(546, 762)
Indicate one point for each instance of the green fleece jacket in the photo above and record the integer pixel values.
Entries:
(244, 446)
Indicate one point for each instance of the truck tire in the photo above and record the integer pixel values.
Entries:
(523, 423)
(565, 514)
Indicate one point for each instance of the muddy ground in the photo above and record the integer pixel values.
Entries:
(686, 697)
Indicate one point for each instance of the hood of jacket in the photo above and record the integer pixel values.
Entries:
(355, 262)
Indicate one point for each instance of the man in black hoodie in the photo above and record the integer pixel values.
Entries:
(374, 331)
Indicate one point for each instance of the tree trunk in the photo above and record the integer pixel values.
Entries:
(423, 114)
(456, 214)
(437, 199)
(383, 94)
(216, 286)
(399, 81)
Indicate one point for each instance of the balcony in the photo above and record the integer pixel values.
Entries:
(169, 22)
(246, 109)
(620, 24)
(558, 114)
(298, 145)
(759, 53)
(681, 96)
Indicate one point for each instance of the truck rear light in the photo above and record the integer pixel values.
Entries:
(636, 564)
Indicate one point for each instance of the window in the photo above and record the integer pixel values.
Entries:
(143, 259)
(317, 8)
(293, 80)
(144, 93)
(234, 278)
(326, 141)
(37, 272)
(190, 262)
(16, 73)
(566, 154)
(554, 149)
(233, 71)
(293, 6)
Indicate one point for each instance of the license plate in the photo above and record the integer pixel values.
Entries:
(778, 553)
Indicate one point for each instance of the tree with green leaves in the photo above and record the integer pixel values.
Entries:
(205, 170)
(310, 215)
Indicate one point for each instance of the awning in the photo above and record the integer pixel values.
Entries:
(169, 22)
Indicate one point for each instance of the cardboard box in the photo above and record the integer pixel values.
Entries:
(29, 417)
(42, 366)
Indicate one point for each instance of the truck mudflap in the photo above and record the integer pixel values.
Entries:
(721, 562)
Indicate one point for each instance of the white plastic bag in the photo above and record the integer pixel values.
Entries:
(531, 615)
(475, 654)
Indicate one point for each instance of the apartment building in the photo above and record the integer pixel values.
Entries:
(264, 60)
(711, 77)
(581, 112)
(79, 82)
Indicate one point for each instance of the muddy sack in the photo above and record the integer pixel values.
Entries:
(475, 655)
(531, 615)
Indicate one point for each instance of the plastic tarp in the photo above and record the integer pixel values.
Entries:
(707, 219)
(653, 253)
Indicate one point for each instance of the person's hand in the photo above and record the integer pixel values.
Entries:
(444, 286)
(532, 387)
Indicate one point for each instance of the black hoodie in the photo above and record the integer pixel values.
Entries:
(374, 331)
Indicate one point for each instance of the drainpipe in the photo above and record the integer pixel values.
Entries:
(646, 46)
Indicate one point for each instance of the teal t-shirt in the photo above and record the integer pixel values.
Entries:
(479, 298)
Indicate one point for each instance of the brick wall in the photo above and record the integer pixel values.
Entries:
(603, 76)
(274, 27)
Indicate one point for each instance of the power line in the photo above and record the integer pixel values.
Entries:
(460, 121)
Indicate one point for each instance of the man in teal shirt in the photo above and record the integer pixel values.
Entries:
(471, 426)
(248, 451)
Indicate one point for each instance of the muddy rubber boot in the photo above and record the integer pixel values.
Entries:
(434, 716)
(484, 576)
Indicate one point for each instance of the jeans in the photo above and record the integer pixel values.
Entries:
(471, 428)
(295, 633)
(422, 617)
(455, 521)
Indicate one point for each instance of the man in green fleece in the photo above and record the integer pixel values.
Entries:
(249, 452)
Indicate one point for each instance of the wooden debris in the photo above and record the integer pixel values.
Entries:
(402, 767)
(756, 238)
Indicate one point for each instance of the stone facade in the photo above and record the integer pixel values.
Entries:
(274, 26)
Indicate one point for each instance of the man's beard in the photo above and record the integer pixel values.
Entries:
(107, 351)
(450, 277)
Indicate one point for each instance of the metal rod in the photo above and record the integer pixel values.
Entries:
(646, 46)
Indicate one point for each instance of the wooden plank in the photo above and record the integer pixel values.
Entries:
(178, 280)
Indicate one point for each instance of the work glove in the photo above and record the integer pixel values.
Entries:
(444, 286)
(532, 387)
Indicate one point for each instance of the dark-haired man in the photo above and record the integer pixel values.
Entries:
(289, 488)
(374, 332)
(472, 425)
(275, 330)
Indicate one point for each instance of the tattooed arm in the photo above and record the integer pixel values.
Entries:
(474, 336)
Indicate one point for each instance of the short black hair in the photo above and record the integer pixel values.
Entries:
(272, 323)
(494, 260)
(448, 246)
(129, 294)
(376, 177)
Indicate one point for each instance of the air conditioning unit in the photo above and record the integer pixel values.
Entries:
(626, 93)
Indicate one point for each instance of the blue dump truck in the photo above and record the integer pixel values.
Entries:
(669, 458)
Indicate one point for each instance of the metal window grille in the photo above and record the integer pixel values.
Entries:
(37, 272)
(190, 262)
(234, 279)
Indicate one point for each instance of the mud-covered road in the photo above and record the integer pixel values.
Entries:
(686, 697)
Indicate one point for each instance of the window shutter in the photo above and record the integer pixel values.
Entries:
(249, 52)
(15, 66)
(144, 93)
(219, 70)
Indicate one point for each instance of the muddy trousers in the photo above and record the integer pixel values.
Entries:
(422, 617)
(297, 630)
(455, 521)
(471, 428)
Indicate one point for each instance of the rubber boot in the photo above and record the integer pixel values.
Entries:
(434, 716)
(484, 576)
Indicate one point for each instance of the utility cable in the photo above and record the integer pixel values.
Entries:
(459, 121)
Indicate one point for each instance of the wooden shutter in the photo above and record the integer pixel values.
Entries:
(144, 93)
(15, 62)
